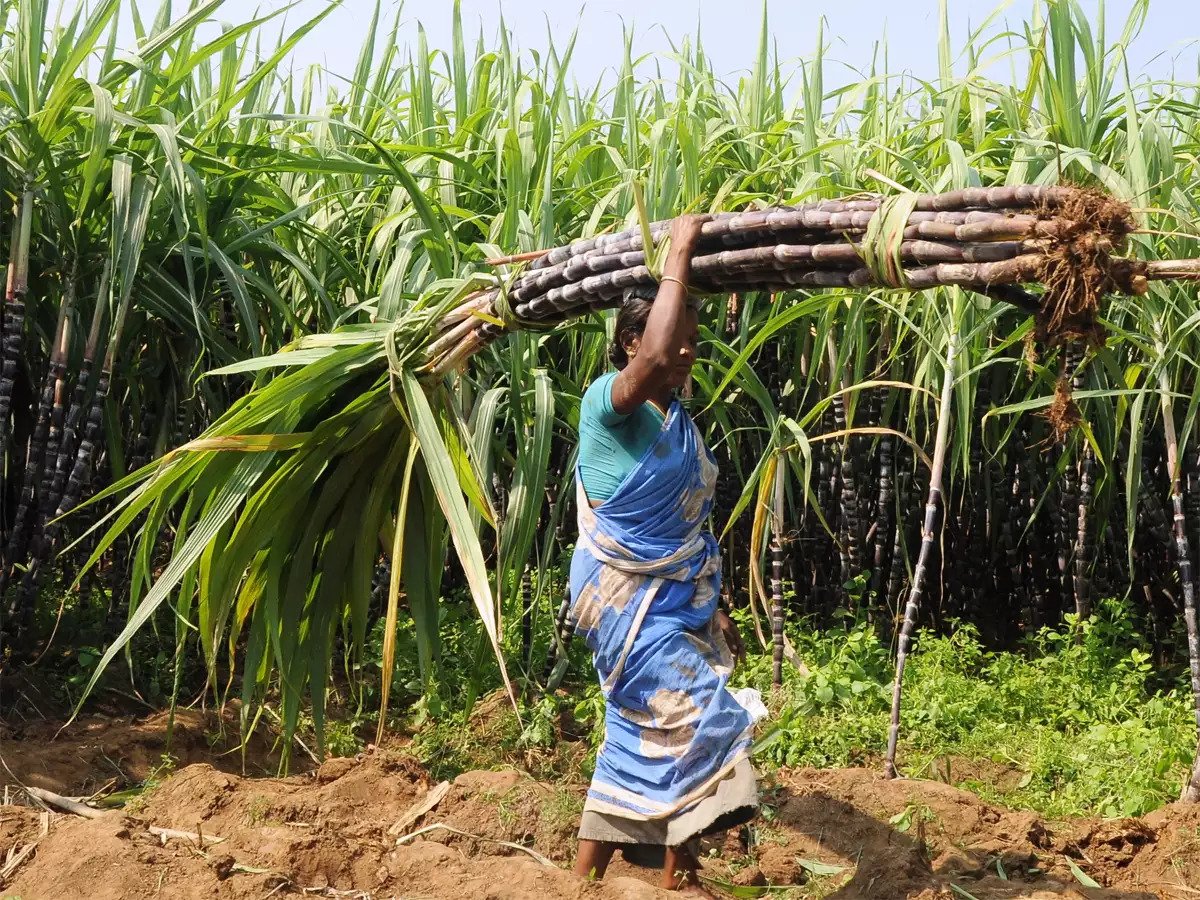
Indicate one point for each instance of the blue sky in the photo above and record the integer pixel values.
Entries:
(1169, 42)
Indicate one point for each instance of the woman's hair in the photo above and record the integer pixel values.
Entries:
(631, 322)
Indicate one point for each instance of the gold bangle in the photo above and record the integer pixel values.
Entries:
(681, 283)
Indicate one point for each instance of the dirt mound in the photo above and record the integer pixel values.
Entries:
(910, 838)
(327, 832)
(123, 751)
(376, 827)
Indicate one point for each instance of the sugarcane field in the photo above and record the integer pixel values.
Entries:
(537, 449)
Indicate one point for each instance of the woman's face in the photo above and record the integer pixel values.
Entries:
(687, 353)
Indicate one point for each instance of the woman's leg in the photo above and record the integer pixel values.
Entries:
(593, 858)
(681, 873)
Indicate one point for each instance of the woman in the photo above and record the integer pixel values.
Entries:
(645, 582)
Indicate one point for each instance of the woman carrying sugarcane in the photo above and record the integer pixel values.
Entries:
(645, 583)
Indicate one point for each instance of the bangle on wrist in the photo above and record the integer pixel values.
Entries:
(678, 281)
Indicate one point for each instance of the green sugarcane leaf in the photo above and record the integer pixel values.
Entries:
(1081, 876)
(450, 496)
(273, 361)
(392, 615)
(227, 498)
(528, 489)
(818, 868)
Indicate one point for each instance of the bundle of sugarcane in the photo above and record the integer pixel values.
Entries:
(994, 241)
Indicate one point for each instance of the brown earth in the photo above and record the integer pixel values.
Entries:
(349, 829)
(102, 751)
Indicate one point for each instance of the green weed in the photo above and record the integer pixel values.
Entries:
(1078, 712)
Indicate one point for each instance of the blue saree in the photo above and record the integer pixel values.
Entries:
(645, 583)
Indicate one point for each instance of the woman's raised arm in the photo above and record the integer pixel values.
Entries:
(666, 337)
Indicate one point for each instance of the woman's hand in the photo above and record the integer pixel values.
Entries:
(685, 234)
(732, 637)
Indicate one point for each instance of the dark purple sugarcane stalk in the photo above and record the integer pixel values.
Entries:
(898, 569)
(1068, 508)
(93, 430)
(1083, 525)
(883, 517)
(928, 538)
(14, 312)
(69, 444)
(848, 518)
(1191, 497)
(77, 484)
(977, 580)
(70, 473)
(562, 633)
(80, 476)
(24, 521)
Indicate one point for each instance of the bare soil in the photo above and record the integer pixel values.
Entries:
(350, 829)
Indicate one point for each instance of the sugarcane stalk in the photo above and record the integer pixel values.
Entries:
(1087, 476)
(562, 634)
(1182, 555)
(69, 445)
(1173, 269)
(14, 311)
(733, 314)
(71, 471)
(58, 363)
(1191, 791)
(928, 536)
(784, 267)
(850, 552)
(23, 521)
(1040, 555)
(1068, 497)
(930, 237)
(883, 514)
(72, 495)
(898, 570)
(818, 215)
(777, 641)
(526, 590)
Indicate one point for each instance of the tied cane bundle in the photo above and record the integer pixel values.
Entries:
(995, 241)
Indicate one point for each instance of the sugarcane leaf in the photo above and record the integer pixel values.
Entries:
(392, 616)
(807, 307)
(483, 429)
(881, 245)
(367, 548)
(818, 868)
(449, 492)
(528, 489)
(742, 890)
(228, 496)
(1081, 876)
(425, 551)
(459, 444)
(273, 360)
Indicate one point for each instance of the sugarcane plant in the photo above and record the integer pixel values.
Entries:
(315, 262)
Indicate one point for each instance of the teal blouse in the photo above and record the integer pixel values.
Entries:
(611, 444)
